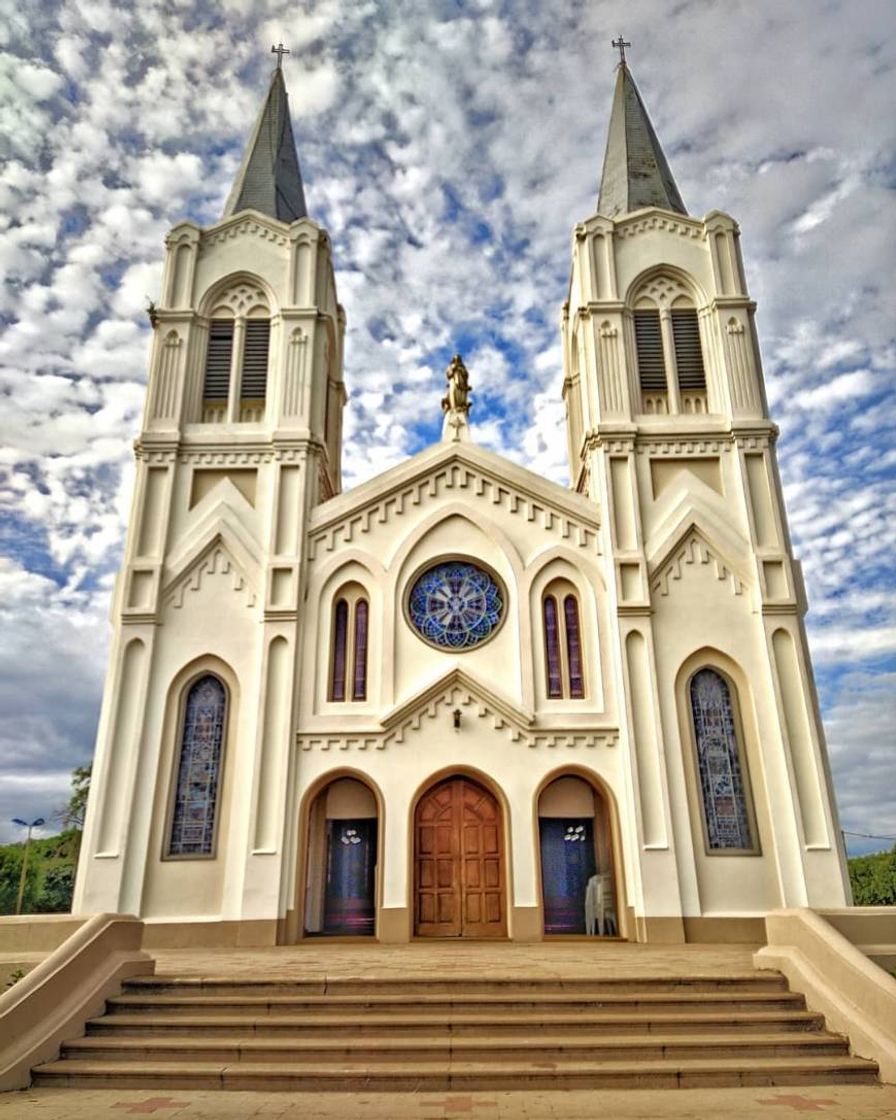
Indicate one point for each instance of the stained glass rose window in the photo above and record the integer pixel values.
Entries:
(455, 605)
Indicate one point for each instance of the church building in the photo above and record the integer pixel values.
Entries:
(459, 700)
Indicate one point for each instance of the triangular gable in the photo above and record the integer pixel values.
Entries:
(462, 469)
(457, 689)
(218, 544)
(694, 547)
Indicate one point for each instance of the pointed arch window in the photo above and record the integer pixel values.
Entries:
(728, 820)
(194, 812)
(236, 366)
(348, 659)
(564, 659)
(671, 372)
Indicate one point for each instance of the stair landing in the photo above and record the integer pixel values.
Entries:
(449, 1017)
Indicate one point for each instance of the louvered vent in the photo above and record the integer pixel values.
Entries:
(255, 359)
(688, 355)
(217, 361)
(649, 344)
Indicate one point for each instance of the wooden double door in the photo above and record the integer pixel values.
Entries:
(459, 862)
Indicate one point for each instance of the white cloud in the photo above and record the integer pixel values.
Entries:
(449, 150)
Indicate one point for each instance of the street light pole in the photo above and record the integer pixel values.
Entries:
(24, 824)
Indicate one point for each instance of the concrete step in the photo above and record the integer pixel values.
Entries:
(375, 1049)
(441, 1004)
(720, 1023)
(470, 985)
(467, 1075)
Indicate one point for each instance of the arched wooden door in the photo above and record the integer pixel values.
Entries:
(459, 862)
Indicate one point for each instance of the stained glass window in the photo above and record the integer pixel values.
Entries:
(722, 783)
(552, 648)
(359, 676)
(199, 770)
(340, 649)
(573, 647)
(455, 605)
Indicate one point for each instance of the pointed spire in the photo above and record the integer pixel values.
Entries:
(269, 179)
(635, 172)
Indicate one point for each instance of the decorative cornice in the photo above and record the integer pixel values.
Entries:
(694, 549)
(781, 608)
(734, 303)
(657, 219)
(218, 457)
(217, 559)
(565, 513)
(252, 224)
(661, 447)
(456, 689)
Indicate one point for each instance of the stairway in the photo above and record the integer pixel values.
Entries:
(459, 1033)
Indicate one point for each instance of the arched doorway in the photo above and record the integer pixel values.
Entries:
(340, 888)
(459, 862)
(578, 884)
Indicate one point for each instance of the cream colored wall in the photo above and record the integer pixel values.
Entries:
(680, 545)
(212, 567)
(567, 797)
(513, 771)
(698, 556)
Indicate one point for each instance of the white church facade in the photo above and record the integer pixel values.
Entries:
(459, 700)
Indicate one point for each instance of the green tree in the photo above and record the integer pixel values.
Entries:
(873, 879)
(10, 872)
(52, 861)
(56, 889)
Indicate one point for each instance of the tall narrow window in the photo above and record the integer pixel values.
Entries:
(573, 647)
(671, 372)
(688, 352)
(649, 345)
(340, 650)
(359, 685)
(218, 360)
(720, 766)
(552, 648)
(564, 659)
(195, 808)
(238, 349)
(348, 658)
(253, 385)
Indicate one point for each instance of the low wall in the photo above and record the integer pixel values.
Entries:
(856, 997)
(870, 928)
(36, 933)
(70, 986)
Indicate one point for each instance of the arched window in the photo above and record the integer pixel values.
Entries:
(236, 364)
(348, 661)
(564, 661)
(724, 783)
(194, 812)
(668, 348)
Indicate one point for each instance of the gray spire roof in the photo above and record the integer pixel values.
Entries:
(635, 171)
(269, 179)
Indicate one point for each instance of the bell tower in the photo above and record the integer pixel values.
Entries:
(668, 430)
(241, 437)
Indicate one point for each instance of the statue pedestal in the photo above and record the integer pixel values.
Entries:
(455, 428)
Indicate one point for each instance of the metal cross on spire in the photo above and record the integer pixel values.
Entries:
(279, 51)
(621, 44)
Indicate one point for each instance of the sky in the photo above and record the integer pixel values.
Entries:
(449, 148)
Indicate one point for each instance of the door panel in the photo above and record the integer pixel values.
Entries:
(567, 863)
(459, 874)
(349, 902)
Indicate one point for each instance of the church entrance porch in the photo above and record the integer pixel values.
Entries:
(340, 894)
(577, 874)
(459, 862)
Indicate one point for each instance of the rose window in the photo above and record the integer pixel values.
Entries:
(455, 605)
